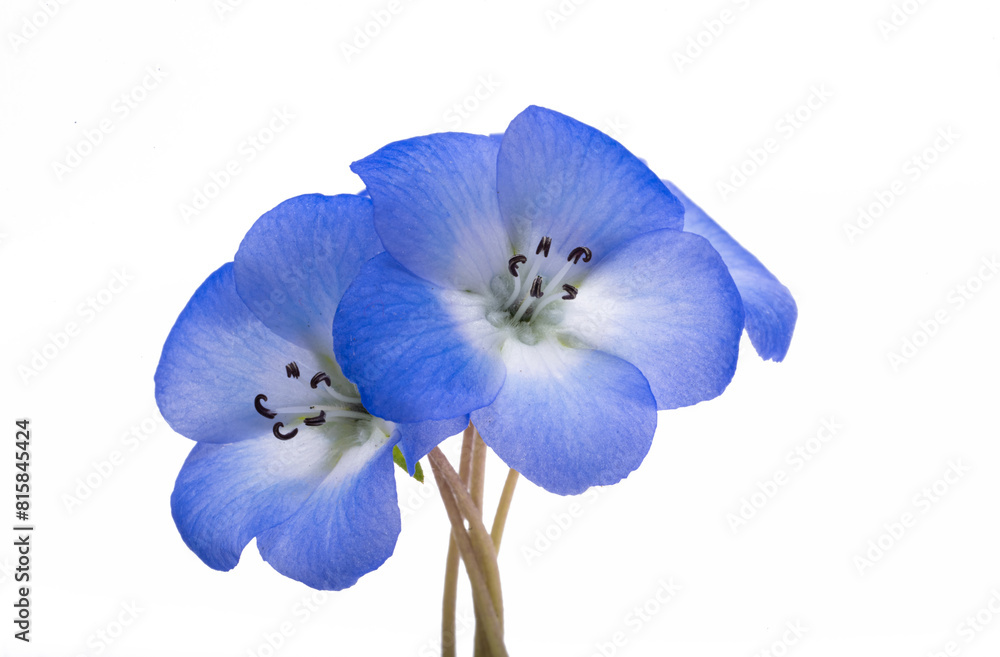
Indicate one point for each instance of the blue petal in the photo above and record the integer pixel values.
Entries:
(296, 261)
(416, 351)
(227, 494)
(770, 308)
(666, 303)
(559, 178)
(417, 440)
(347, 528)
(218, 358)
(436, 207)
(568, 419)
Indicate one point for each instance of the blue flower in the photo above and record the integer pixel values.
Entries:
(286, 451)
(540, 284)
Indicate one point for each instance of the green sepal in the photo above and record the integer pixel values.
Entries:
(397, 458)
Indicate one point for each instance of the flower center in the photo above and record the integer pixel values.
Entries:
(540, 294)
(315, 415)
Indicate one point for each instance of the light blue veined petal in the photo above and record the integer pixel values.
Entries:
(218, 358)
(296, 261)
(666, 303)
(770, 309)
(436, 207)
(568, 419)
(417, 440)
(226, 495)
(347, 528)
(415, 351)
(559, 178)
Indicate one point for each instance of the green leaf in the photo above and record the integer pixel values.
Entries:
(397, 458)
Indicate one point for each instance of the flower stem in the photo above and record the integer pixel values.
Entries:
(449, 604)
(482, 544)
(477, 489)
(458, 503)
(500, 519)
(478, 484)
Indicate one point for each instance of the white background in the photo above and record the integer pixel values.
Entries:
(614, 65)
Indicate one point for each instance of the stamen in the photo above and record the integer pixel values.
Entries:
(316, 421)
(534, 293)
(571, 293)
(283, 436)
(574, 257)
(536, 287)
(292, 370)
(320, 376)
(517, 284)
(557, 279)
(514, 262)
(270, 415)
(537, 291)
(575, 254)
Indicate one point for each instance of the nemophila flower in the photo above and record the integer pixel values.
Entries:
(540, 283)
(768, 305)
(286, 451)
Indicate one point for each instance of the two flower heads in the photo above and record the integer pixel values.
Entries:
(543, 284)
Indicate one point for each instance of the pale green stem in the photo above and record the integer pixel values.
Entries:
(477, 489)
(483, 596)
(478, 483)
(482, 543)
(500, 519)
(450, 602)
